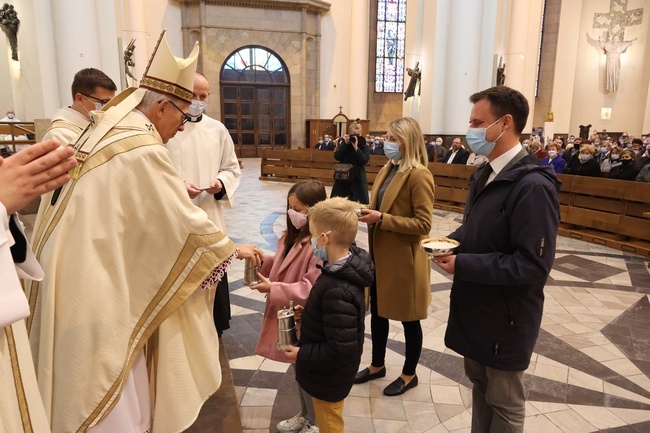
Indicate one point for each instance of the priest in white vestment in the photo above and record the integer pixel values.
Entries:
(91, 90)
(21, 407)
(121, 333)
(204, 156)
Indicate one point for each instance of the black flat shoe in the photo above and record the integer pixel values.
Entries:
(399, 387)
(365, 375)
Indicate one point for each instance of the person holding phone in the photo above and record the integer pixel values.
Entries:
(353, 149)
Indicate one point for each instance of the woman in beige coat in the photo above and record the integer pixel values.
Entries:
(400, 215)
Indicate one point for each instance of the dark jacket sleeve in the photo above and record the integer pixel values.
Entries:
(362, 155)
(340, 328)
(340, 151)
(534, 220)
(462, 156)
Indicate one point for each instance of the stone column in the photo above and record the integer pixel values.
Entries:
(522, 50)
(134, 27)
(565, 65)
(358, 87)
(76, 41)
(463, 51)
(430, 97)
(515, 56)
(413, 54)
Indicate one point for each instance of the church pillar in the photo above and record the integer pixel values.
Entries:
(134, 27)
(76, 41)
(83, 39)
(522, 48)
(515, 56)
(566, 62)
(463, 52)
(413, 53)
(358, 78)
(429, 104)
(646, 117)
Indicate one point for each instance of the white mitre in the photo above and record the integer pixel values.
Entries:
(166, 73)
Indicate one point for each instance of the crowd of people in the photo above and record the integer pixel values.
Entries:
(627, 158)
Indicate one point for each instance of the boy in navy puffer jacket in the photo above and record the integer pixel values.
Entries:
(332, 331)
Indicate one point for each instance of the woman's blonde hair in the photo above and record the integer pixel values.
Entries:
(535, 145)
(407, 131)
(355, 126)
(589, 148)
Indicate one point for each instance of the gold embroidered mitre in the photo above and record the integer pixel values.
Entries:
(166, 73)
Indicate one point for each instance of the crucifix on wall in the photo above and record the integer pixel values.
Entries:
(613, 42)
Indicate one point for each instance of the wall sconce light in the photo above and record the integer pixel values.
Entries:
(9, 24)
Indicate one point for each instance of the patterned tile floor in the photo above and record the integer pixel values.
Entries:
(590, 371)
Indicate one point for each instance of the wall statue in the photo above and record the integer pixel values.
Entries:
(415, 75)
(613, 49)
(9, 23)
(501, 73)
(129, 63)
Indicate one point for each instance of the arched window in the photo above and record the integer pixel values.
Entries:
(255, 100)
(391, 34)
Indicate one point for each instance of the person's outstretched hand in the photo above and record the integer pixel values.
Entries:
(33, 171)
(248, 251)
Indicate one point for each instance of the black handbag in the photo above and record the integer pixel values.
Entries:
(344, 172)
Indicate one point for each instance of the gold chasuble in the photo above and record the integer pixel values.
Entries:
(124, 252)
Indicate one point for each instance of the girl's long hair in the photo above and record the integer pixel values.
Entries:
(309, 192)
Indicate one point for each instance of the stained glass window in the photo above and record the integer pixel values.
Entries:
(391, 33)
(254, 65)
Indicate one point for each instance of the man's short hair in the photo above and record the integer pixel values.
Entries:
(338, 215)
(86, 80)
(504, 100)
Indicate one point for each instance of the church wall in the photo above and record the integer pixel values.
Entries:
(589, 86)
(413, 53)
(24, 90)
(543, 102)
(345, 59)
(383, 108)
(292, 34)
(428, 102)
(335, 60)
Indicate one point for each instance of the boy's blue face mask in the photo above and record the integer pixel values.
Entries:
(320, 253)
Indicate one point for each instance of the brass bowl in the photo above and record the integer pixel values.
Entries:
(438, 246)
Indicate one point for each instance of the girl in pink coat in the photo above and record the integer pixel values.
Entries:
(289, 276)
(290, 273)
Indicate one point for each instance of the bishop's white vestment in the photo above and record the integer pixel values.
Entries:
(124, 252)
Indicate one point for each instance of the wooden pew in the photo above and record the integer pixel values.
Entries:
(294, 165)
(452, 185)
(16, 129)
(603, 211)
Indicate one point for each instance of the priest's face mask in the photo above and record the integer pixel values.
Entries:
(171, 118)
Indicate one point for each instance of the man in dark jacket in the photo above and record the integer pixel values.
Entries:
(507, 247)
(456, 154)
(332, 330)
